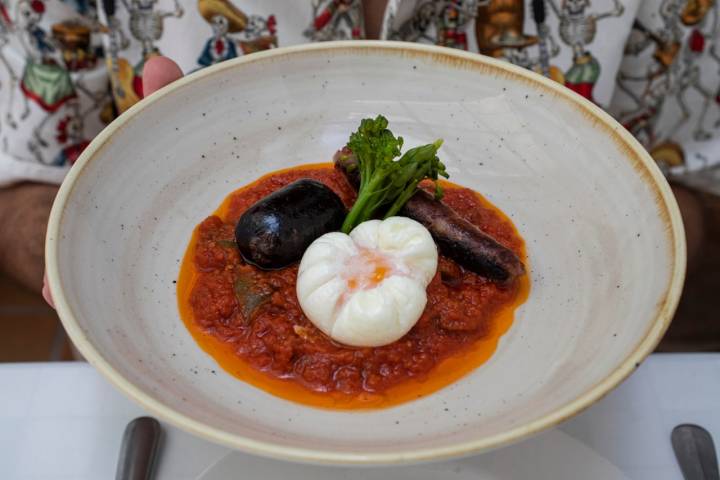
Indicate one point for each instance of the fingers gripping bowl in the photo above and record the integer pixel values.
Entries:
(604, 241)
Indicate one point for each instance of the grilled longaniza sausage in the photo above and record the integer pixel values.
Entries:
(456, 237)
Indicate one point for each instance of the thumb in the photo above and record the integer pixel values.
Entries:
(47, 295)
(158, 72)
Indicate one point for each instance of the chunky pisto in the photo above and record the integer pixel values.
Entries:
(251, 322)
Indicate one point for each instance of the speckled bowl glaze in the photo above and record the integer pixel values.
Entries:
(604, 239)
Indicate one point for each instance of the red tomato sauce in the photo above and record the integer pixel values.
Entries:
(265, 339)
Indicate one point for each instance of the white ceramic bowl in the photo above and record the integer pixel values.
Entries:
(604, 237)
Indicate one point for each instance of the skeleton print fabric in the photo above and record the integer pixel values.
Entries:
(668, 88)
(68, 67)
(561, 39)
(653, 64)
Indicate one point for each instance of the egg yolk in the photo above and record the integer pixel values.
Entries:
(367, 270)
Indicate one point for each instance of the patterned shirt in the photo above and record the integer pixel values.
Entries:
(68, 67)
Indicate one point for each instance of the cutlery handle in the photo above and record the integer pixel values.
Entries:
(695, 452)
(139, 448)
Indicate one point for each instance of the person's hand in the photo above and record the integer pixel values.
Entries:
(157, 72)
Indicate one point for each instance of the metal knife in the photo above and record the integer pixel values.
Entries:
(695, 452)
(139, 449)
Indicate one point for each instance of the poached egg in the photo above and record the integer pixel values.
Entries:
(367, 289)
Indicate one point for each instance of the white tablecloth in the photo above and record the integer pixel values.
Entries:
(64, 421)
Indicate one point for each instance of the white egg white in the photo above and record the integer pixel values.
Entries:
(367, 289)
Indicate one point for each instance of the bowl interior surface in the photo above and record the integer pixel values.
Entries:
(604, 241)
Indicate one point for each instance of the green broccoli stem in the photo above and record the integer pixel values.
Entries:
(364, 205)
(402, 199)
(419, 162)
(386, 184)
